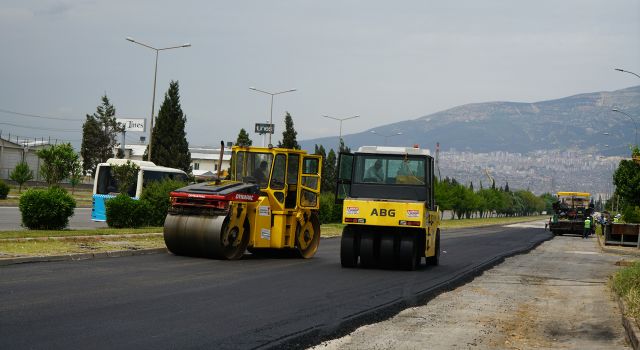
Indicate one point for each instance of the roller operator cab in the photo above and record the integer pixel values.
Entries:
(388, 208)
(269, 204)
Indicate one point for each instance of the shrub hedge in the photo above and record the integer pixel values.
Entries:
(157, 195)
(126, 212)
(4, 190)
(329, 211)
(48, 209)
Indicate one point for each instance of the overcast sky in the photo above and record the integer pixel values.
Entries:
(386, 61)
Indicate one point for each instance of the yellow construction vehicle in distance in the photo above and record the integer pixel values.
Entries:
(388, 208)
(270, 203)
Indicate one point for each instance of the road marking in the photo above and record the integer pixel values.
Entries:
(581, 252)
(537, 224)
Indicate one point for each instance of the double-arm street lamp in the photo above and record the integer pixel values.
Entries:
(272, 94)
(626, 71)
(340, 120)
(633, 120)
(155, 75)
(385, 136)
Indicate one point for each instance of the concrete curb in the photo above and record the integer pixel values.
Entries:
(83, 256)
(630, 325)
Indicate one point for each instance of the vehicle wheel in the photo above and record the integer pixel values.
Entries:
(408, 252)
(435, 260)
(349, 248)
(367, 250)
(308, 237)
(387, 251)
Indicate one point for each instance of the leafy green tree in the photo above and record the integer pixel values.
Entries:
(170, 147)
(21, 174)
(125, 175)
(289, 134)
(243, 138)
(627, 181)
(75, 176)
(99, 136)
(58, 161)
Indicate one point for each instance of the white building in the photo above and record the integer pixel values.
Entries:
(204, 160)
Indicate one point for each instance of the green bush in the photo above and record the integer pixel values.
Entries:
(125, 212)
(4, 190)
(157, 195)
(48, 209)
(631, 214)
(329, 211)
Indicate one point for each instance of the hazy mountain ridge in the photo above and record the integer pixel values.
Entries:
(574, 122)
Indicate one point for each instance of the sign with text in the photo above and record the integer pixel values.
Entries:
(132, 124)
(264, 128)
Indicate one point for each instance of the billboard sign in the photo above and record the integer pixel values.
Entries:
(264, 128)
(132, 124)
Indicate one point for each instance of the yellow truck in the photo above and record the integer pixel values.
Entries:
(269, 204)
(389, 213)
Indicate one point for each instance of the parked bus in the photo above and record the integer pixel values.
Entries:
(105, 185)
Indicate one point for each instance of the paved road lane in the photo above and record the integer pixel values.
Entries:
(164, 301)
(10, 219)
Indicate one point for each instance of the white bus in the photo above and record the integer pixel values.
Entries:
(105, 185)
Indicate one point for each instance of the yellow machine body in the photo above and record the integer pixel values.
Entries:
(270, 203)
(389, 213)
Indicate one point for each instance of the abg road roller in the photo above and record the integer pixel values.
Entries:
(269, 204)
(390, 217)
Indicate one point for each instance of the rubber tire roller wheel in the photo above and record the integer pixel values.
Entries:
(387, 251)
(368, 250)
(408, 256)
(349, 248)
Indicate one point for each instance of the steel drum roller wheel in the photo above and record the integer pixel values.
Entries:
(348, 248)
(204, 236)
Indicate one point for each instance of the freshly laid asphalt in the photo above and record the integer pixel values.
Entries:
(163, 301)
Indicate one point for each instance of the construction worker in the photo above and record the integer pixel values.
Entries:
(616, 218)
(587, 227)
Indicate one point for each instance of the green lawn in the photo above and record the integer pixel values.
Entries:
(626, 283)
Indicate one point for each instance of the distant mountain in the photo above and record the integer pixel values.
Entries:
(574, 122)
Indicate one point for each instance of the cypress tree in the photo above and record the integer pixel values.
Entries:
(170, 146)
(289, 134)
(243, 138)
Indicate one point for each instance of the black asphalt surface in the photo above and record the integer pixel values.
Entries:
(163, 301)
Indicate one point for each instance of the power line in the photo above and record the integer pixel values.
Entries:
(47, 129)
(36, 116)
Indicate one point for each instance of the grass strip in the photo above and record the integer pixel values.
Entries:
(50, 248)
(626, 283)
(86, 232)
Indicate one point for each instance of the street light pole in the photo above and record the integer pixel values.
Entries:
(272, 94)
(155, 76)
(633, 120)
(626, 71)
(340, 120)
(385, 136)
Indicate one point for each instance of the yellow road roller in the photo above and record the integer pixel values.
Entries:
(389, 213)
(269, 204)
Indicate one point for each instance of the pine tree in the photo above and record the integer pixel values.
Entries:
(329, 172)
(506, 187)
(99, 136)
(471, 186)
(243, 138)
(21, 174)
(343, 148)
(289, 134)
(170, 147)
